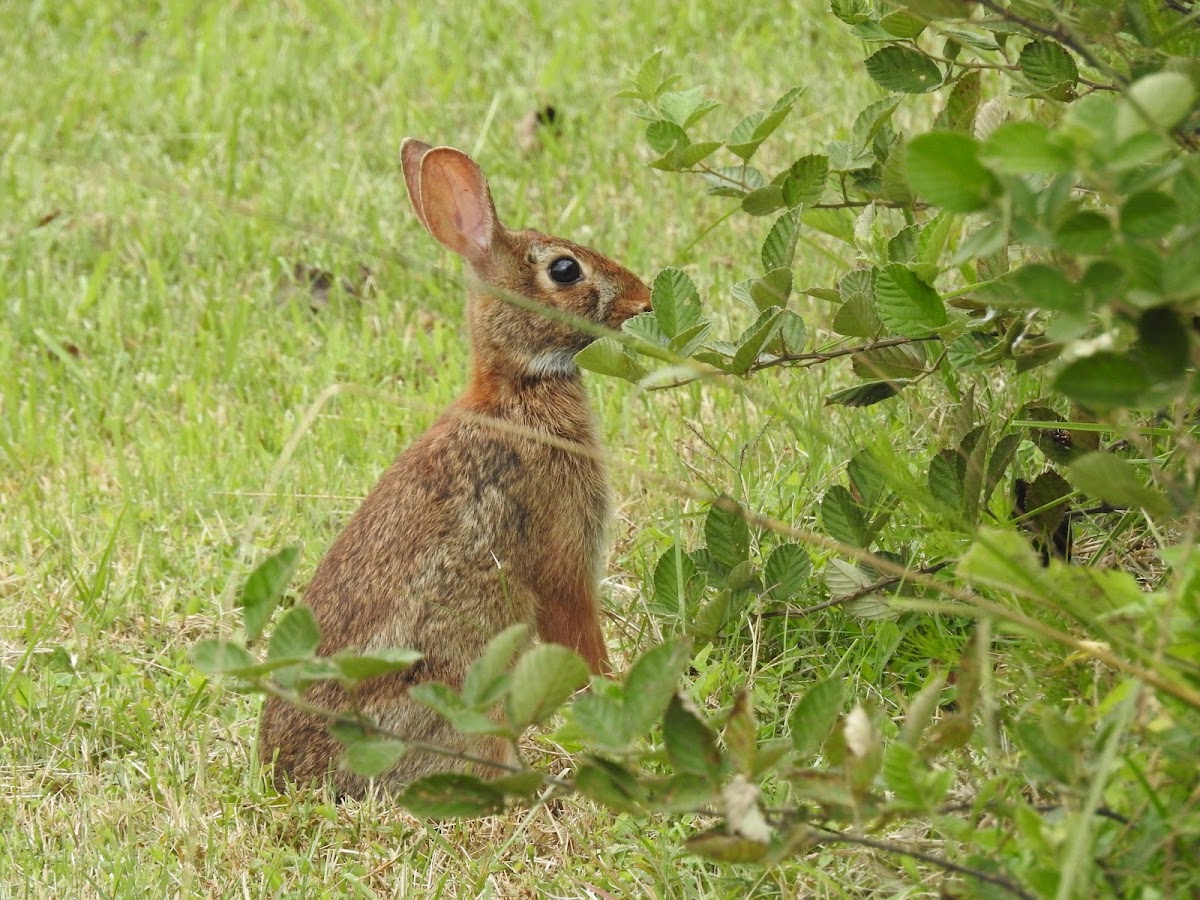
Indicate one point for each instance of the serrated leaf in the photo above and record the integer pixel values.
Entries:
(726, 533)
(446, 702)
(689, 340)
(945, 480)
(870, 120)
(543, 679)
(697, 152)
(1001, 458)
(374, 663)
(675, 301)
(451, 795)
(962, 104)
(213, 657)
(814, 716)
(488, 675)
(685, 108)
(663, 136)
(1033, 286)
(607, 356)
(791, 335)
(296, 636)
(733, 181)
(1086, 233)
(1050, 70)
(944, 168)
(867, 394)
(264, 588)
(805, 181)
(779, 249)
(371, 758)
(907, 361)
(903, 70)
(903, 24)
(772, 290)
(905, 304)
(1116, 481)
(691, 745)
(756, 337)
(787, 570)
(1105, 380)
(842, 517)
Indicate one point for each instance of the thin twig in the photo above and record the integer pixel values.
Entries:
(803, 360)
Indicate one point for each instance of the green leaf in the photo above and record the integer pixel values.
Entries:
(741, 735)
(1116, 481)
(769, 293)
(1086, 233)
(663, 136)
(811, 720)
(1034, 286)
(838, 223)
(1158, 102)
(962, 105)
(870, 121)
(264, 588)
(651, 684)
(607, 356)
(675, 301)
(787, 570)
(543, 679)
(763, 201)
(842, 518)
(371, 758)
(1025, 148)
(890, 362)
(488, 676)
(374, 663)
(1049, 69)
(791, 335)
(214, 657)
(726, 533)
(903, 25)
(1162, 347)
(905, 304)
(1105, 380)
(903, 70)
(805, 181)
(866, 394)
(779, 249)
(867, 477)
(451, 795)
(757, 336)
(610, 784)
(686, 108)
(691, 745)
(945, 480)
(296, 636)
(733, 181)
(721, 847)
(1004, 560)
(944, 168)
(1149, 214)
(444, 701)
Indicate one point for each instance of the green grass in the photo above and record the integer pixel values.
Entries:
(168, 166)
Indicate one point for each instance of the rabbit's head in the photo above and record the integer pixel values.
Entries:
(452, 200)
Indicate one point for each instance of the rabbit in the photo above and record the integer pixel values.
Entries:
(475, 527)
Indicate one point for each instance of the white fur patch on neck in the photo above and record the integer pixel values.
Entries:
(553, 363)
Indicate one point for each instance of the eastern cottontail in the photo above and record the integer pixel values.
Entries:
(476, 526)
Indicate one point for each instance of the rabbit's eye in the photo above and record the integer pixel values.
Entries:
(565, 270)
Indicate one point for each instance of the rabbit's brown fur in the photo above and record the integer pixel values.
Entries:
(476, 526)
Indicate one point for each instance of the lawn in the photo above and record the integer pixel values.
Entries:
(175, 404)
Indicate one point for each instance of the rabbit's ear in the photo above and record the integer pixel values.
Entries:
(412, 152)
(456, 205)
